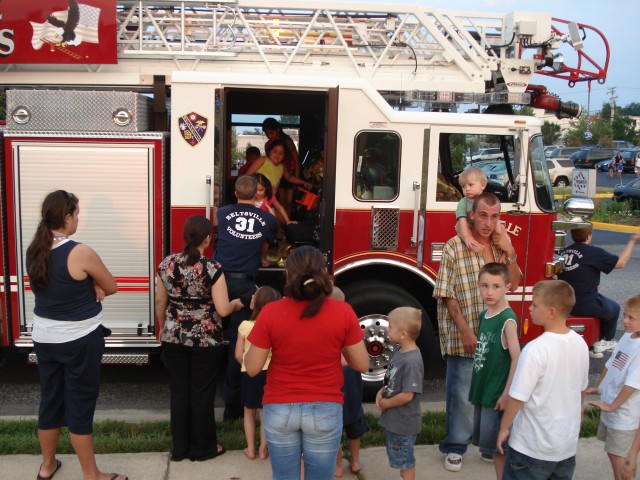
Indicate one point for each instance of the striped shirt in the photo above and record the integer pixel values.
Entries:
(458, 278)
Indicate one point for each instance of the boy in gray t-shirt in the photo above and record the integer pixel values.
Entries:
(399, 398)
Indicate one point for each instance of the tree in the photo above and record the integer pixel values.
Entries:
(525, 110)
(550, 132)
(632, 109)
(600, 129)
(290, 119)
(622, 127)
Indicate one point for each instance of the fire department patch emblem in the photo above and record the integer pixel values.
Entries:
(193, 128)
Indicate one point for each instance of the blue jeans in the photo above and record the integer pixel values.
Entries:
(603, 308)
(310, 429)
(459, 412)
(519, 466)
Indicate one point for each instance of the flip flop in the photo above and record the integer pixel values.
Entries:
(58, 465)
(116, 475)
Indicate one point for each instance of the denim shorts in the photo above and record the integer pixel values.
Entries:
(486, 424)
(400, 450)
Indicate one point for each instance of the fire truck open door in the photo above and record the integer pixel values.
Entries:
(119, 186)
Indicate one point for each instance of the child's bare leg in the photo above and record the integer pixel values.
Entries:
(617, 463)
(498, 462)
(408, 474)
(338, 473)
(354, 449)
(263, 451)
(250, 432)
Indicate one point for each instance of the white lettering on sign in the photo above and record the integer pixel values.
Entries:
(6, 42)
(513, 229)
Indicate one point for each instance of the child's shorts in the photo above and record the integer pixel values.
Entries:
(616, 442)
(486, 425)
(400, 450)
(356, 429)
(252, 389)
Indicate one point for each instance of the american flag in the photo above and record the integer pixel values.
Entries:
(620, 360)
(87, 26)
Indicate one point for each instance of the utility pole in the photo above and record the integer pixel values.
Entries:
(612, 91)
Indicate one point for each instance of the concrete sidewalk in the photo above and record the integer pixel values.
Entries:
(592, 462)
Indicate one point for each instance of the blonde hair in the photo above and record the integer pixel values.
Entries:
(632, 303)
(467, 173)
(407, 318)
(556, 294)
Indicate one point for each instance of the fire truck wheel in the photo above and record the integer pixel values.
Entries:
(372, 300)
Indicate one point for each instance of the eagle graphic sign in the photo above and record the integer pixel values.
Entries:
(193, 127)
(58, 31)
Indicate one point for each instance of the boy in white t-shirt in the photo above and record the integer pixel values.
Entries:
(619, 385)
(547, 392)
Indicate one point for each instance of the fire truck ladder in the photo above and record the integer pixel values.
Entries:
(396, 48)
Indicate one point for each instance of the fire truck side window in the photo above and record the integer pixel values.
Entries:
(376, 166)
(494, 154)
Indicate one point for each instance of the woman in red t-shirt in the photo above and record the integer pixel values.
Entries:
(306, 331)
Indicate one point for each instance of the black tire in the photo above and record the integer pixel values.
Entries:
(562, 182)
(372, 300)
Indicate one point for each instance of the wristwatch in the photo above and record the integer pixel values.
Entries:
(511, 261)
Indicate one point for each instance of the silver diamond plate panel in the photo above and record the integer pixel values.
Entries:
(119, 358)
(77, 111)
(384, 228)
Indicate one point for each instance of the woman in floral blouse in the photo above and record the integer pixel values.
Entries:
(190, 289)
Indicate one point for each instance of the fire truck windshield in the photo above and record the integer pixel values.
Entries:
(542, 182)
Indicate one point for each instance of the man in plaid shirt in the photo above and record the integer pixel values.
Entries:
(459, 308)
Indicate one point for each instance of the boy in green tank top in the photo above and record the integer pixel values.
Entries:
(494, 361)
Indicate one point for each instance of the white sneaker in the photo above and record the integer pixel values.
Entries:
(453, 462)
(605, 345)
(594, 354)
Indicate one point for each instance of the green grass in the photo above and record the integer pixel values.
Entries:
(20, 436)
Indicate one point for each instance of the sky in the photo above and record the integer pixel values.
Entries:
(620, 26)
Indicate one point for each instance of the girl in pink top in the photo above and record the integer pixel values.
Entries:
(266, 200)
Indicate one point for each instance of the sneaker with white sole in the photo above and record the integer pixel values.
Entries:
(453, 462)
(605, 345)
(594, 354)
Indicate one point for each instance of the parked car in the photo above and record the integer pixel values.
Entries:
(630, 191)
(498, 174)
(548, 149)
(563, 152)
(603, 166)
(560, 171)
(589, 157)
(620, 144)
(486, 154)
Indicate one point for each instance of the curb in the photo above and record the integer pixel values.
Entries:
(615, 228)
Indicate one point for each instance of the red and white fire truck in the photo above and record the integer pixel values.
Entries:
(131, 106)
